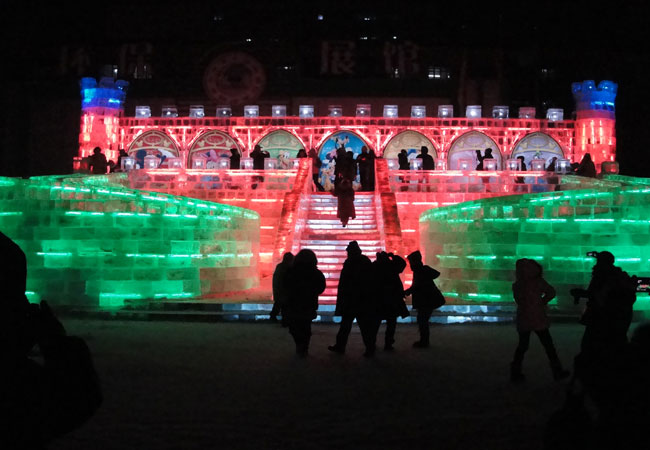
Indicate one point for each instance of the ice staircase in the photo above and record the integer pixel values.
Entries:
(325, 235)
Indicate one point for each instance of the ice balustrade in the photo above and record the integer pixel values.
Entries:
(475, 244)
(91, 243)
(418, 191)
(264, 191)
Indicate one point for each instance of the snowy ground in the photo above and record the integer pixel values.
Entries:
(171, 385)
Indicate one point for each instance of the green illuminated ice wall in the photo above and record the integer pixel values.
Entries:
(90, 241)
(475, 244)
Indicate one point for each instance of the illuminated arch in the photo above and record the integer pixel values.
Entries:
(156, 143)
(465, 146)
(327, 151)
(537, 145)
(411, 141)
(212, 145)
(281, 141)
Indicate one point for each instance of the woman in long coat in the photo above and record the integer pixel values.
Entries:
(532, 293)
(304, 283)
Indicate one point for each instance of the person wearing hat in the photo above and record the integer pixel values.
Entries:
(354, 300)
(426, 295)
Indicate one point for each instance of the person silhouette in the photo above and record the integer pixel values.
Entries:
(426, 295)
(366, 162)
(352, 300)
(235, 159)
(258, 155)
(607, 317)
(316, 164)
(587, 168)
(97, 162)
(403, 160)
(304, 284)
(427, 160)
(41, 400)
(532, 293)
(280, 288)
(390, 292)
(344, 192)
(301, 153)
(482, 158)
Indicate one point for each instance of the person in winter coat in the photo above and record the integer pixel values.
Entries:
(426, 295)
(355, 300)
(344, 192)
(389, 292)
(304, 283)
(279, 286)
(532, 293)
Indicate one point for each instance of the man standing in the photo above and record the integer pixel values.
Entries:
(366, 161)
(97, 162)
(353, 300)
(258, 156)
(426, 295)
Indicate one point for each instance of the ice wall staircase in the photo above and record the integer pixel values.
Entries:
(328, 239)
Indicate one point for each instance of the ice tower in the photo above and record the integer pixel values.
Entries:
(595, 120)
(102, 105)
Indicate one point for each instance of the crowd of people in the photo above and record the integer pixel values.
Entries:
(606, 393)
(368, 292)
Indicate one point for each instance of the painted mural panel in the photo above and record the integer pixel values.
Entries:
(352, 143)
(213, 146)
(154, 143)
(465, 147)
(411, 141)
(538, 146)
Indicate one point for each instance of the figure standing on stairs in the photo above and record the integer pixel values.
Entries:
(532, 293)
(345, 206)
(304, 284)
(426, 295)
(389, 291)
(355, 299)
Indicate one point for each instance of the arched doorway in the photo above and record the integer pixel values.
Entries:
(537, 146)
(213, 146)
(411, 141)
(352, 143)
(156, 143)
(465, 146)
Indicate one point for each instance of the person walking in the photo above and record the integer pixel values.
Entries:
(304, 284)
(344, 192)
(426, 295)
(354, 294)
(532, 293)
(389, 292)
(280, 288)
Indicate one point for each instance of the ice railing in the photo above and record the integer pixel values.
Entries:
(98, 245)
(475, 244)
(263, 191)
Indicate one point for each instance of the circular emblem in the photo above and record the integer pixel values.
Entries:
(234, 78)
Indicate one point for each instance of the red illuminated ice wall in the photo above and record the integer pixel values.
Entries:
(593, 130)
